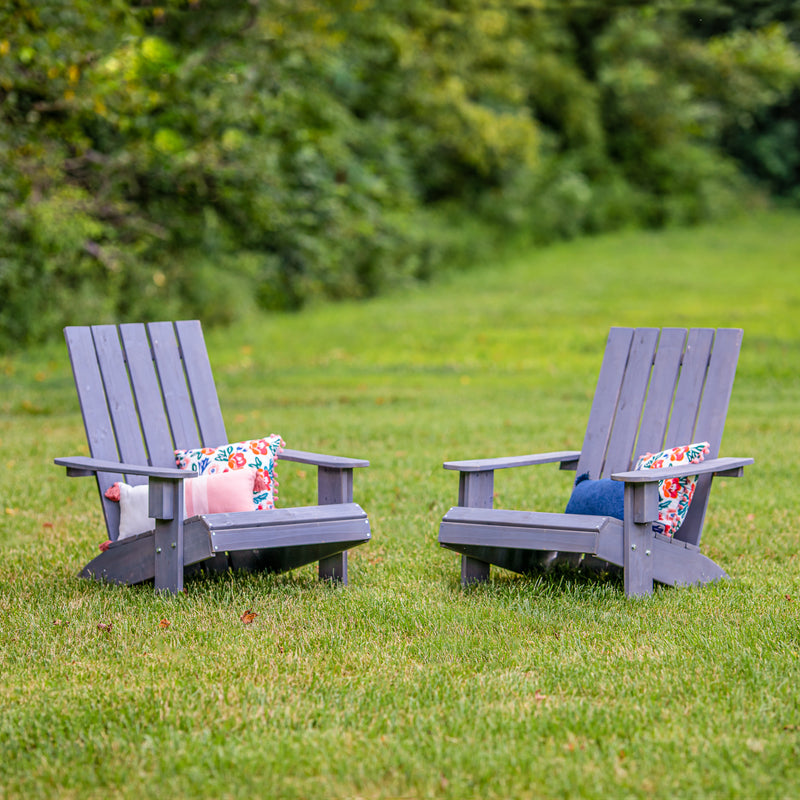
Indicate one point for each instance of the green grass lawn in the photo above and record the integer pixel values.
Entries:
(403, 685)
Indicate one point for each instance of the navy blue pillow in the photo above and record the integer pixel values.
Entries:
(602, 498)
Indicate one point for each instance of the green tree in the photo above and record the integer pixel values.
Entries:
(208, 157)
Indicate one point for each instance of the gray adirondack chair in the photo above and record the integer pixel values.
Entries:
(145, 390)
(656, 389)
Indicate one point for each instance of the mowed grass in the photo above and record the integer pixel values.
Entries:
(403, 684)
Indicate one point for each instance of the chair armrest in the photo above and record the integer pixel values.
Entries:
(730, 467)
(320, 460)
(641, 489)
(567, 458)
(78, 466)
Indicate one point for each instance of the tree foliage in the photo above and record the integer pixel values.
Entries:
(208, 157)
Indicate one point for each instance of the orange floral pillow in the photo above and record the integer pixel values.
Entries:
(674, 494)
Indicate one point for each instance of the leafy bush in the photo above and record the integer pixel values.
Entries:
(214, 157)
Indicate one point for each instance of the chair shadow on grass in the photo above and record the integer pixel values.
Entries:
(554, 580)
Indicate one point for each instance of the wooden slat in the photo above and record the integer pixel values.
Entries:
(564, 457)
(690, 387)
(202, 389)
(676, 565)
(631, 401)
(119, 395)
(604, 406)
(301, 515)
(96, 417)
(131, 560)
(661, 392)
(710, 423)
(495, 518)
(91, 394)
(147, 391)
(719, 385)
(180, 410)
(322, 460)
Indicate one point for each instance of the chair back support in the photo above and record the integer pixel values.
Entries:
(144, 390)
(660, 389)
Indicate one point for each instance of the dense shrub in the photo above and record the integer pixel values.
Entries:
(211, 157)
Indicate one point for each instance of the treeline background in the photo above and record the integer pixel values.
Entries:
(214, 157)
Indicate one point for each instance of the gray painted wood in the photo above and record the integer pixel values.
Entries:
(131, 560)
(637, 552)
(166, 507)
(334, 485)
(200, 382)
(661, 392)
(655, 390)
(119, 395)
(87, 465)
(175, 392)
(690, 387)
(322, 460)
(564, 457)
(604, 405)
(473, 570)
(711, 422)
(100, 433)
(708, 466)
(145, 390)
(630, 403)
(476, 489)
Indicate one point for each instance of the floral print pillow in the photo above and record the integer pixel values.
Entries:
(674, 494)
(261, 454)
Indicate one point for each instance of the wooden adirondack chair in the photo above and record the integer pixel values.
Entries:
(656, 390)
(145, 390)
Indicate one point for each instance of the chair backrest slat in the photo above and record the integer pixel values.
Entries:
(201, 385)
(604, 405)
(178, 403)
(96, 417)
(711, 422)
(661, 392)
(631, 401)
(119, 395)
(147, 391)
(690, 387)
(719, 385)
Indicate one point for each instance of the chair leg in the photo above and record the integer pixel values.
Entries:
(638, 540)
(476, 490)
(473, 571)
(334, 486)
(334, 568)
(166, 506)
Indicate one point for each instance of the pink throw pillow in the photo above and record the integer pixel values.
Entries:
(219, 493)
